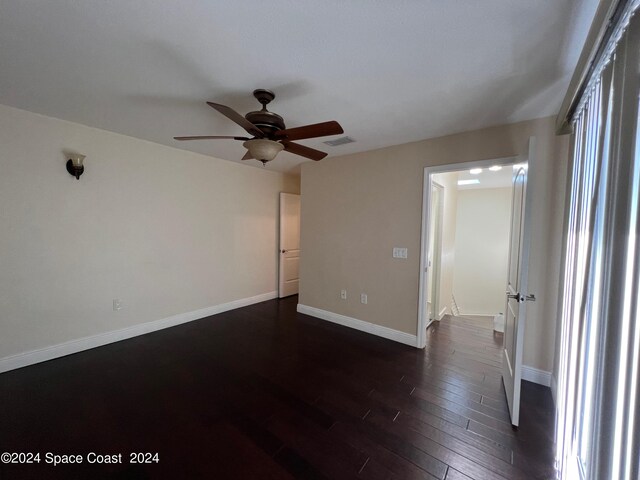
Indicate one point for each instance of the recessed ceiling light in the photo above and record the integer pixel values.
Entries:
(495, 168)
(473, 181)
(475, 171)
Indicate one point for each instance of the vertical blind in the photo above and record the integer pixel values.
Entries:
(598, 427)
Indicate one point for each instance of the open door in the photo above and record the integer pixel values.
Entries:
(289, 244)
(517, 294)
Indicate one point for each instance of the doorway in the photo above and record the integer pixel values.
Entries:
(466, 238)
(289, 251)
(519, 241)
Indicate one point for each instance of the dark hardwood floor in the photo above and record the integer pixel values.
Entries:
(264, 392)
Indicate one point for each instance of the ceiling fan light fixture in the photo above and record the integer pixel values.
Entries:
(269, 133)
(263, 149)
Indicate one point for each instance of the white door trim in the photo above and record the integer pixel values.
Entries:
(424, 243)
(436, 259)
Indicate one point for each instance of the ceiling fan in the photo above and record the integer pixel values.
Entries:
(270, 136)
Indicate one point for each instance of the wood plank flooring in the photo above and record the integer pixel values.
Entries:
(264, 392)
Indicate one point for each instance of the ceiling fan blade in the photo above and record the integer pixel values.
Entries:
(234, 116)
(303, 151)
(311, 131)
(247, 156)
(209, 137)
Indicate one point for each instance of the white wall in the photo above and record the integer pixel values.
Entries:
(164, 230)
(481, 250)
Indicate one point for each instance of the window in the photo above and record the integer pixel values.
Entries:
(598, 423)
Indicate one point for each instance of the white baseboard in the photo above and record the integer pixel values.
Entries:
(535, 375)
(554, 389)
(372, 328)
(74, 346)
(443, 312)
(467, 314)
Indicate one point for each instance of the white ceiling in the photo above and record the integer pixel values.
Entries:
(487, 178)
(390, 72)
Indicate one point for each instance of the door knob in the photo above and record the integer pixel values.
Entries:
(283, 251)
(515, 296)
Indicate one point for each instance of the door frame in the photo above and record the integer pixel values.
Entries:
(424, 242)
(436, 260)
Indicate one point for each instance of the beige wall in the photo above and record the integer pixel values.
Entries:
(449, 182)
(483, 222)
(356, 208)
(164, 230)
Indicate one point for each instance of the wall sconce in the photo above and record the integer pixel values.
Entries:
(74, 164)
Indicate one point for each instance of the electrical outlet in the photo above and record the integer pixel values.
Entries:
(363, 298)
(399, 252)
(117, 304)
(343, 294)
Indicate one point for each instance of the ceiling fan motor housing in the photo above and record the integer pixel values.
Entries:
(266, 121)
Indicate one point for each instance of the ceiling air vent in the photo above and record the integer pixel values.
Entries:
(339, 141)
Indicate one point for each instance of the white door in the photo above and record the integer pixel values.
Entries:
(289, 244)
(517, 294)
